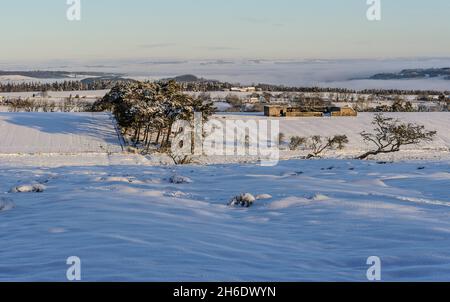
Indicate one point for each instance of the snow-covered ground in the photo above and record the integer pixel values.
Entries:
(129, 219)
(60, 133)
(325, 218)
(58, 95)
(327, 127)
(61, 139)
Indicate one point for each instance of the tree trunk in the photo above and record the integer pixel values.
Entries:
(169, 132)
(158, 136)
(366, 155)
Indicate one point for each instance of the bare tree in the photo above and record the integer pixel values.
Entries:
(390, 135)
(320, 145)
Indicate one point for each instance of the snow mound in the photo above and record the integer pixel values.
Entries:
(243, 200)
(294, 201)
(35, 188)
(177, 194)
(6, 204)
(319, 197)
(116, 179)
(288, 203)
(178, 179)
(56, 230)
(263, 197)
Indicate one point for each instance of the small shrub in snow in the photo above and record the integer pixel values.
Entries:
(177, 179)
(318, 145)
(6, 204)
(36, 188)
(180, 159)
(243, 200)
(133, 150)
(296, 142)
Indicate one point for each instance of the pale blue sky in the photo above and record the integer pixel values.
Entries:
(34, 30)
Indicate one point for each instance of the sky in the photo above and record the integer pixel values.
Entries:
(33, 30)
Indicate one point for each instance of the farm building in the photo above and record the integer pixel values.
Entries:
(288, 111)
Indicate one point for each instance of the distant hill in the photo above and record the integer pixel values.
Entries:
(189, 78)
(414, 74)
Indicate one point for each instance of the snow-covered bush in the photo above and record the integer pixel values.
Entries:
(243, 200)
(319, 197)
(178, 179)
(35, 188)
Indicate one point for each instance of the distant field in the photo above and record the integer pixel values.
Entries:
(94, 94)
(30, 133)
(77, 133)
(353, 126)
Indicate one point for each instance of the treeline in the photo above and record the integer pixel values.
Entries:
(209, 86)
(59, 86)
(29, 105)
(147, 112)
(205, 86)
(202, 86)
(280, 88)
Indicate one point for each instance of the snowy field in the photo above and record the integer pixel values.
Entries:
(352, 127)
(36, 133)
(72, 139)
(67, 189)
(325, 218)
(58, 95)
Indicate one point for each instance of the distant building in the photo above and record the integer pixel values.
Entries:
(344, 111)
(243, 89)
(288, 111)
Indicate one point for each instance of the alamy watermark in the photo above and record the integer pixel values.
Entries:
(374, 271)
(254, 138)
(74, 10)
(374, 10)
(73, 273)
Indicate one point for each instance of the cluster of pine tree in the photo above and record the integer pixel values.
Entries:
(147, 111)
